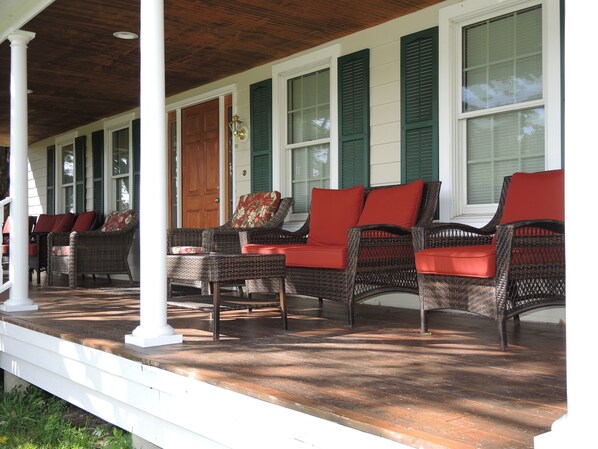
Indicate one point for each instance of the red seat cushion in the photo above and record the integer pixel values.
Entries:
(44, 223)
(299, 255)
(255, 209)
(533, 196)
(332, 213)
(472, 261)
(185, 250)
(61, 250)
(33, 249)
(5, 249)
(84, 221)
(397, 205)
(64, 222)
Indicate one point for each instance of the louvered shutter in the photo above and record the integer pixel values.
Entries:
(80, 191)
(136, 130)
(419, 106)
(51, 180)
(260, 97)
(97, 154)
(354, 118)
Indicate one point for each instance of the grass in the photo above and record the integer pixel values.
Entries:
(34, 419)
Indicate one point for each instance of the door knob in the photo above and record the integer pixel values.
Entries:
(217, 200)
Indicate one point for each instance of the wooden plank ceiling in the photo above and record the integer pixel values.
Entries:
(80, 73)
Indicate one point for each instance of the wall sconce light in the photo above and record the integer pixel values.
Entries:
(239, 130)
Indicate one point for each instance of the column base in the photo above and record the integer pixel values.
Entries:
(24, 307)
(148, 337)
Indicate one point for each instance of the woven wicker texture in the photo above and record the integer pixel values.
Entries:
(93, 252)
(530, 269)
(380, 259)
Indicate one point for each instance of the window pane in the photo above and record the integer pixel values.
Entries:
(68, 199)
(308, 114)
(502, 60)
(68, 164)
(500, 145)
(311, 168)
(122, 194)
(120, 152)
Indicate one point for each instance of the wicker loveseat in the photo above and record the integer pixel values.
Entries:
(514, 264)
(347, 252)
(262, 209)
(104, 251)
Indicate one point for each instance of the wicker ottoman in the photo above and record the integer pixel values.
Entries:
(225, 268)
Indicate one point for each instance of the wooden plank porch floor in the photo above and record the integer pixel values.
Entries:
(452, 389)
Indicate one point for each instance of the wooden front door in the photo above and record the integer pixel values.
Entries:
(199, 166)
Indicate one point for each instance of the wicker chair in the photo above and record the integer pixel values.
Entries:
(514, 264)
(103, 251)
(222, 239)
(379, 259)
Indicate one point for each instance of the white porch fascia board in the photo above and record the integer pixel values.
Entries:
(165, 408)
(16, 13)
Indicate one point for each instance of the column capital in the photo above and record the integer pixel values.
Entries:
(20, 37)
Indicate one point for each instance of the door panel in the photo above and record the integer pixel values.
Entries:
(200, 168)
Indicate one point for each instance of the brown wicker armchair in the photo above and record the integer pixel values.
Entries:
(379, 257)
(104, 251)
(222, 239)
(514, 264)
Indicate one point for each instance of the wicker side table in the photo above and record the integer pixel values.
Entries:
(224, 268)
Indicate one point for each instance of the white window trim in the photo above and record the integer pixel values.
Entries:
(111, 126)
(60, 142)
(281, 73)
(451, 21)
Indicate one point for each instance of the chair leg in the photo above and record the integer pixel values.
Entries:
(502, 332)
(320, 302)
(351, 313)
(423, 319)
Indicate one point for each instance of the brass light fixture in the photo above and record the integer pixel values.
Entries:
(239, 130)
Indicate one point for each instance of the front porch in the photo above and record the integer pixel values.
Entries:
(320, 384)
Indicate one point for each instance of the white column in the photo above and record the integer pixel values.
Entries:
(153, 329)
(19, 210)
(578, 427)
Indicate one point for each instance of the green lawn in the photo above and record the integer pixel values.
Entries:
(34, 419)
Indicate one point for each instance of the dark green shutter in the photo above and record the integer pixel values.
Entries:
(260, 98)
(80, 190)
(97, 150)
(354, 118)
(51, 180)
(419, 106)
(136, 129)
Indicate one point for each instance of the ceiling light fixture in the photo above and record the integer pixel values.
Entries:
(127, 35)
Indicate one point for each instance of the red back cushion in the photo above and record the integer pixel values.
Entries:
(85, 221)
(45, 223)
(533, 196)
(393, 205)
(332, 213)
(64, 222)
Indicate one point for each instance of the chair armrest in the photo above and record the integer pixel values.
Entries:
(272, 236)
(112, 241)
(58, 239)
(378, 247)
(184, 237)
(438, 235)
(222, 240)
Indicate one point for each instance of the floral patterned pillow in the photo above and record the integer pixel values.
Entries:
(115, 220)
(255, 209)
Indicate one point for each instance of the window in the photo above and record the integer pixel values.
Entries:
(304, 122)
(67, 178)
(121, 169)
(504, 97)
(308, 135)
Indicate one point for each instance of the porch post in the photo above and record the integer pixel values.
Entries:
(578, 427)
(19, 209)
(153, 329)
